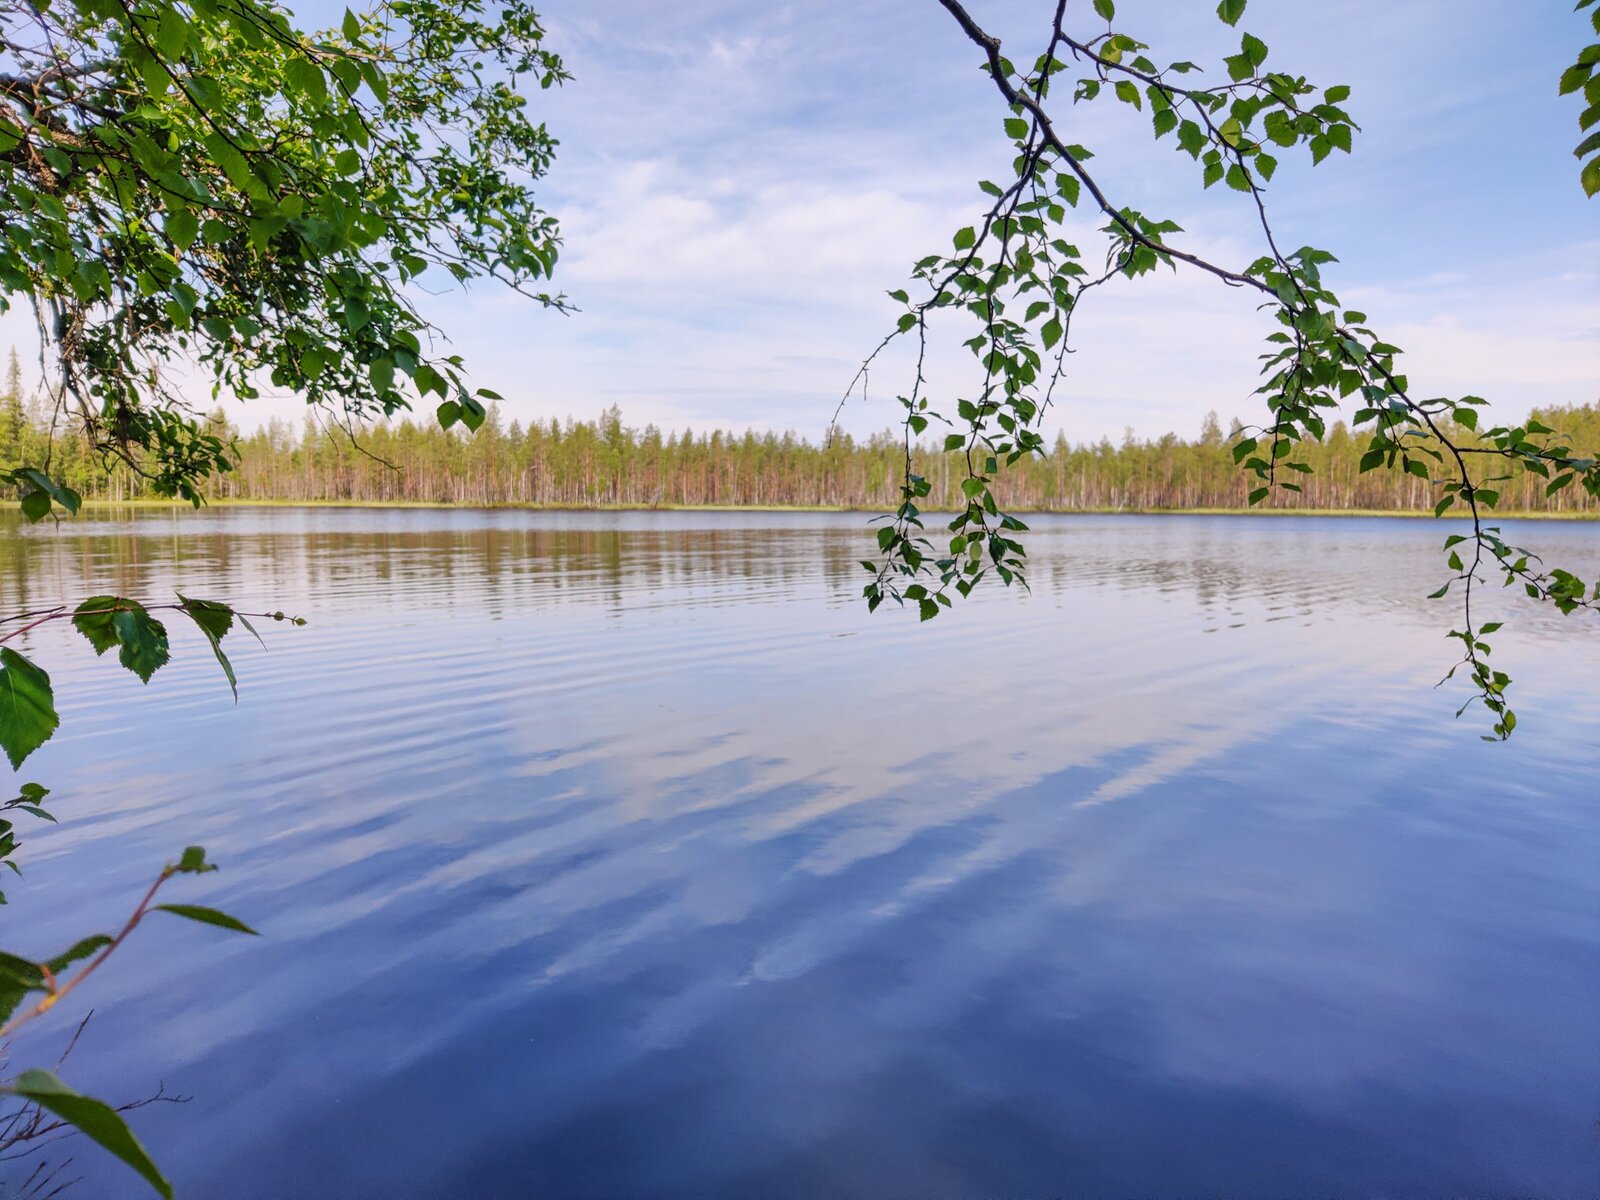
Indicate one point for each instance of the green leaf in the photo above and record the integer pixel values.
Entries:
(27, 707)
(36, 506)
(1016, 128)
(172, 32)
(144, 641)
(1575, 76)
(213, 617)
(61, 494)
(182, 228)
(79, 950)
(1231, 10)
(1591, 177)
(448, 413)
(92, 618)
(95, 1119)
(208, 916)
(18, 977)
(215, 620)
(305, 77)
(21, 972)
(1106, 8)
(381, 372)
(193, 862)
(966, 238)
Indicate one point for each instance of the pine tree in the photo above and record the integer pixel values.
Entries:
(13, 420)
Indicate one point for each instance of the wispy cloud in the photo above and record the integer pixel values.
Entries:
(741, 183)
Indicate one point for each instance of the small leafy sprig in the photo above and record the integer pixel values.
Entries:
(28, 719)
(53, 980)
(1019, 277)
(30, 800)
(39, 493)
(1584, 76)
(28, 716)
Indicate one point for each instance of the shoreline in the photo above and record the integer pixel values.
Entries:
(425, 505)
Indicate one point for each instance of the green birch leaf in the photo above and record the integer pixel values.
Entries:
(208, 916)
(79, 950)
(27, 706)
(214, 620)
(93, 1118)
(61, 494)
(144, 641)
(35, 506)
(93, 619)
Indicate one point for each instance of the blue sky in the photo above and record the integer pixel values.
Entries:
(740, 182)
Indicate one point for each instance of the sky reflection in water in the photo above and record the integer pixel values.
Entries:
(624, 856)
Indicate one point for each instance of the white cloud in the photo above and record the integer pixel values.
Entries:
(740, 184)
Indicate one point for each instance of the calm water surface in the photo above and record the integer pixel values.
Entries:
(624, 856)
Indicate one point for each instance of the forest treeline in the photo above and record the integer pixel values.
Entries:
(607, 462)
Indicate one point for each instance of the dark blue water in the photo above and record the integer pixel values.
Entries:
(626, 856)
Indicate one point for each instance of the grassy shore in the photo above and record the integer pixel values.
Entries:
(817, 508)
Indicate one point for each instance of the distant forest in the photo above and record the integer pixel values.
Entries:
(607, 462)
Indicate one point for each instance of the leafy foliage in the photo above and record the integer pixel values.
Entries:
(1020, 280)
(39, 492)
(1584, 76)
(22, 977)
(196, 184)
(30, 799)
(27, 701)
(27, 720)
(93, 1117)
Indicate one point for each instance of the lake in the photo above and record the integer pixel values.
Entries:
(625, 855)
